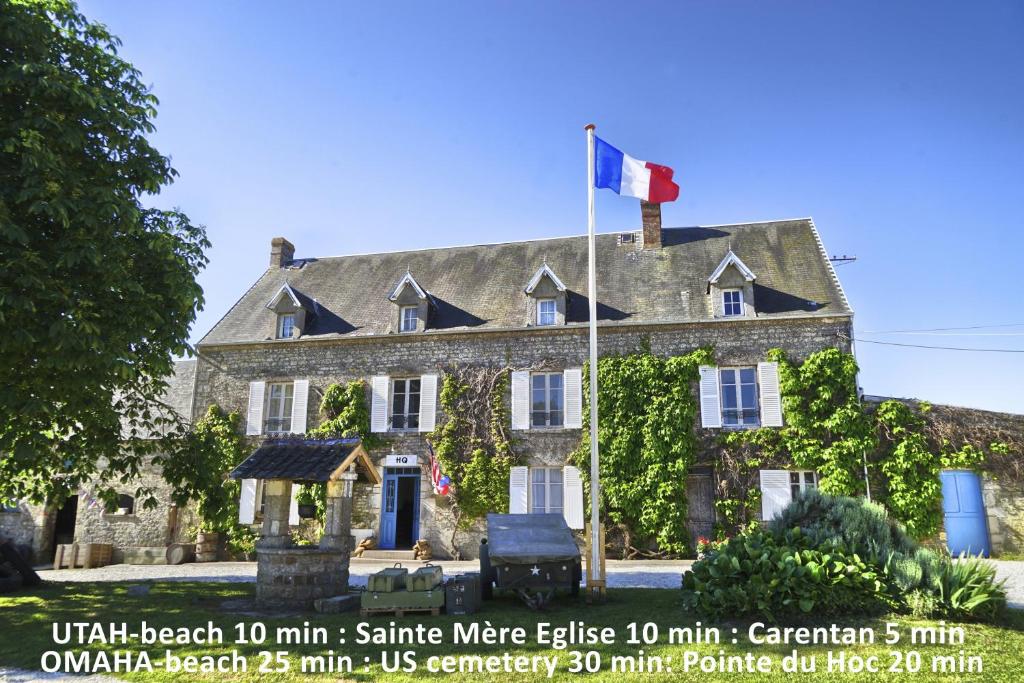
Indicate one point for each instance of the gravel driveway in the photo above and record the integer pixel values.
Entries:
(621, 573)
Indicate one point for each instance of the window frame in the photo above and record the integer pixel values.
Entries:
(726, 304)
(281, 318)
(408, 416)
(415, 318)
(802, 485)
(739, 384)
(259, 501)
(547, 485)
(541, 312)
(547, 401)
(287, 403)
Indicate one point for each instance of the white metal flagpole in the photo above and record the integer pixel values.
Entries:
(594, 564)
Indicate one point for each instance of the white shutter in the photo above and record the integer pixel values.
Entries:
(254, 417)
(247, 502)
(300, 402)
(428, 402)
(379, 403)
(710, 402)
(572, 380)
(293, 507)
(518, 483)
(572, 497)
(775, 493)
(520, 400)
(771, 399)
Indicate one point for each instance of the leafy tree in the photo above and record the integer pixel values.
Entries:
(199, 467)
(97, 291)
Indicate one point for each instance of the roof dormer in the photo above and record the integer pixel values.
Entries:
(731, 289)
(412, 305)
(292, 312)
(546, 299)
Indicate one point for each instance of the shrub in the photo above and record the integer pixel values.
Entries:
(967, 589)
(775, 574)
(862, 526)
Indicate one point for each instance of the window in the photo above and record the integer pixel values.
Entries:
(546, 489)
(548, 399)
(261, 499)
(739, 397)
(405, 404)
(279, 408)
(125, 505)
(732, 302)
(546, 312)
(410, 317)
(802, 481)
(285, 325)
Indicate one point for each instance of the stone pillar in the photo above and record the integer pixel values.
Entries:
(338, 518)
(275, 532)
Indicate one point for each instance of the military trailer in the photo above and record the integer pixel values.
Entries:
(530, 552)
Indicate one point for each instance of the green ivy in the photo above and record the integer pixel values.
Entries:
(471, 441)
(911, 469)
(647, 409)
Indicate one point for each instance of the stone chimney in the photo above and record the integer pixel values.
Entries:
(281, 252)
(651, 214)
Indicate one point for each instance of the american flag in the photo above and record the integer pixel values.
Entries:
(440, 489)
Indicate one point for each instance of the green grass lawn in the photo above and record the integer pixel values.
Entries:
(25, 625)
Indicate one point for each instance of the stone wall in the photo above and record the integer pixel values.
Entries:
(224, 373)
(1004, 507)
(295, 577)
(30, 528)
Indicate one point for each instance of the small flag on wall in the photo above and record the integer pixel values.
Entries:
(631, 177)
(440, 482)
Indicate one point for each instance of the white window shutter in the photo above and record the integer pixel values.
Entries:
(300, 403)
(521, 400)
(573, 383)
(379, 403)
(428, 402)
(771, 398)
(775, 493)
(518, 483)
(710, 402)
(254, 417)
(572, 497)
(293, 507)
(247, 502)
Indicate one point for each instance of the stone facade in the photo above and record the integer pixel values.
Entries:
(223, 374)
(1004, 508)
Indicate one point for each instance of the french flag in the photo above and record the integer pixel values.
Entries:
(630, 177)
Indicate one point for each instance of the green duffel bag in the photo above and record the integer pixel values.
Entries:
(428, 577)
(388, 580)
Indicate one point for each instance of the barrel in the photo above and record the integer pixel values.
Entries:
(207, 544)
(180, 553)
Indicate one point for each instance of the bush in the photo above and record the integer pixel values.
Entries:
(776, 574)
(967, 589)
(862, 526)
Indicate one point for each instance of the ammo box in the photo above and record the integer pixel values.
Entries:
(387, 580)
(402, 600)
(462, 594)
(427, 577)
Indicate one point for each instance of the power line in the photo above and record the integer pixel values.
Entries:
(943, 329)
(941, 348)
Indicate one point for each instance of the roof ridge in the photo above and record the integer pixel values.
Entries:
(828, 264)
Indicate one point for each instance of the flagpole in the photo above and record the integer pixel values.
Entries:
(594, 563)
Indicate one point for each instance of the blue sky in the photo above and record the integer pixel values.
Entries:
(356, 127)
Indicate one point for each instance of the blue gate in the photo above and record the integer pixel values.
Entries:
(400, 507)
(964, 511)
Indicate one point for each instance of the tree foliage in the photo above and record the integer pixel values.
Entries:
(646, 438)
(197, 470)
(97, 291)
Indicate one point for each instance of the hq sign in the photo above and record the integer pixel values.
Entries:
(401, 460)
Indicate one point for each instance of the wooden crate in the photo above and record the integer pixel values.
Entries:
(85, 555)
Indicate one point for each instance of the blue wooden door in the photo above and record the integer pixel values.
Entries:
(963, 509)
(388, 511)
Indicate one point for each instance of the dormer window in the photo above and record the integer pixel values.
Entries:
(285, 325)
(546, 310)
(410, 318)
(732, 302)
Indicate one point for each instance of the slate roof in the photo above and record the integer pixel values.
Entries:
(481, 287)
(303, 460)
(178, 396)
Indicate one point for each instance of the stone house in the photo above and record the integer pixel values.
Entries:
(399, 320)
